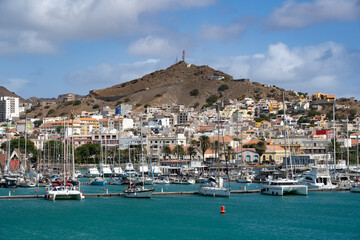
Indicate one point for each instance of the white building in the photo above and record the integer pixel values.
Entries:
(9, 108)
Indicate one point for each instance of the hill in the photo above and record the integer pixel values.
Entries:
(174, 84)
(5, 92)
(180, 83)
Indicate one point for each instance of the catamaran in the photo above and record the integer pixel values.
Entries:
(65, 191)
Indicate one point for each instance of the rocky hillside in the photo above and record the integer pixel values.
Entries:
(176, 83)
(5, 92)
(181, 83)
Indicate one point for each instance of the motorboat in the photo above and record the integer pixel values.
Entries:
(118, 172)
(355, 188)
(25, 183)
(105, 170)
(318, 178)
(129, 169)
(98, 181)
(244, 177)
(184, 180)
(92, 172)
(137, 192)
(63, 193)
(214, 187)
(280, 187)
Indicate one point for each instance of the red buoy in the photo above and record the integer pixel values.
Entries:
(104, 189)
(222, 211)
(240, 186)
(36, 191)
(13, 190)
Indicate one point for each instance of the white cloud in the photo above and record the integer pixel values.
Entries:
(39, 26)
(106, 74)
(16, 84)
(293, 15)
(153, 46)
(229, 32)
(325, 67)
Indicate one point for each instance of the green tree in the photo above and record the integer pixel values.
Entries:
(212, 99)
(96, 106)
(260, 147)
(223, 87)
(31, 151)
(76, 102)
(88, 151)
(167, 151)
(191, 151)
(194, 92)
(204, 142)
(37, 123)
(178, 151)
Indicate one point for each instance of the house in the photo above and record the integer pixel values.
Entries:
(248, 155)
(273, 153)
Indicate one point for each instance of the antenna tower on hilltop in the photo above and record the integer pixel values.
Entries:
(183, 56)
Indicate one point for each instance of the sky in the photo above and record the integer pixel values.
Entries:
(53, 47)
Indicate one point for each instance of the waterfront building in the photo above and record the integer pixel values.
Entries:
(9, 108)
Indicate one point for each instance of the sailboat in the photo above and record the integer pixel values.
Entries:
(280, 187)
(139, 192)
(65, 191)
(215, 184)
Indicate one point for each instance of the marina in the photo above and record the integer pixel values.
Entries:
(250, 214)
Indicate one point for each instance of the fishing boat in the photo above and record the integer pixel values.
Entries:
(98, 181)
(318, 178)
(214, 187)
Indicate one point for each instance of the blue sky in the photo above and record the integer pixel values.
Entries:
(52, 47)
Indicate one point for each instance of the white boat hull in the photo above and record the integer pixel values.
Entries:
(138, 193)
(214, 191)
(64, 195)
(285, 190)
(355, 189)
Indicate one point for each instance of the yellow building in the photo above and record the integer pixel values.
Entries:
(88, 125)
(273, 153)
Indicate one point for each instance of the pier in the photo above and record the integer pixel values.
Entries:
(95, 195)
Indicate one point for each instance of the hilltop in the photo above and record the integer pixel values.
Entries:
(174, 84)
(180, 83)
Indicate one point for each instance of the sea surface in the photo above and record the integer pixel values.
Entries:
(320, 215)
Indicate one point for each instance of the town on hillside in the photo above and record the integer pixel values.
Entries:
(242, 132)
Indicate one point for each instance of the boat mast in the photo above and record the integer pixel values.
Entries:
(285, 135)
(142, 152)
(334, 129)
(347, 144)
(357, 150)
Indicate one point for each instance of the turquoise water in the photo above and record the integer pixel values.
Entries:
(329, 215)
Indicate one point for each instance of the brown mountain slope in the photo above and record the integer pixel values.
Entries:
(174, 84)
(5, 92)
(169, 86)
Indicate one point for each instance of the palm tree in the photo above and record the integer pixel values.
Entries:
(204, 144)
(192, 151)
(166, 151)
(179, 151)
